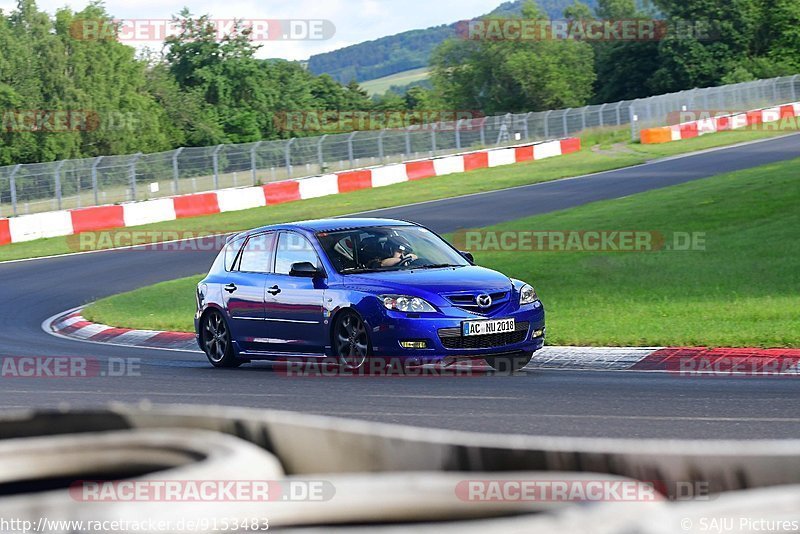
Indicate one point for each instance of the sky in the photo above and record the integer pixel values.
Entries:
(355, 21)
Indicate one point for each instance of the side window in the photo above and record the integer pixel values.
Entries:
(293, 248)
(257, 254)
(231, 251)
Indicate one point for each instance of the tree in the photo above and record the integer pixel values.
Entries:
(499, 76)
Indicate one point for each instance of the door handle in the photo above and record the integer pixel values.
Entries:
(230, 288)
(274, 290)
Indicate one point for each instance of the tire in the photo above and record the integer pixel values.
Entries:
(350, 341)
(509, 364)
(215, 339)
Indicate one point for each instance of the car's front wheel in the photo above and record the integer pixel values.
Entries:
(508, 364)
(215, 338)
(351, 340)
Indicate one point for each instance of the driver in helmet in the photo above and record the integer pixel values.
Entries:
(400, 252)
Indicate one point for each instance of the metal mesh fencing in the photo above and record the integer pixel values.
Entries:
(66, 184)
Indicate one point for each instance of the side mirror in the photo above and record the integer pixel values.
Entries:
(304, 269)
(467, 255)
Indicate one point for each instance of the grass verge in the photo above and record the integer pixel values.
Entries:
(741, 290)
(586, 161)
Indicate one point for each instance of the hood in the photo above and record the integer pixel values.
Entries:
(436, 281)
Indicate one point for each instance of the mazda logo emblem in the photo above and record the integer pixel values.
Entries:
(484, 301)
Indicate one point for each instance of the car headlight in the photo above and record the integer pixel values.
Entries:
(405, 303)
(527, 295)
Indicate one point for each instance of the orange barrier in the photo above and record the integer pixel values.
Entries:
(354, 180)
(97, 218)
(524, 153)
(476, 160)
(5, 232)
(420, 169)
(652, 136)
(280, 192)
(568, 146)
(195, 205)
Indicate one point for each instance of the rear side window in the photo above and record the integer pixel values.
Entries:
(257, 254)
(231, 252)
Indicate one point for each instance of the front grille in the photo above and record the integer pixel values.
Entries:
(451, 338)
(467, 301)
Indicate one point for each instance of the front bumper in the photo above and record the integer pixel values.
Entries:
(441, 332)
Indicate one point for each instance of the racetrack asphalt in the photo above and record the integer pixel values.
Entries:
(537, 402)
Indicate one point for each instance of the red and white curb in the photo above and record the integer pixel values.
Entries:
(73, 325)
(94, 219)
(681, 361)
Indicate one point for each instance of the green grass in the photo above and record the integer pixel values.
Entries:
(379, 86)
(584, 162)
(742, 290)
(144, 308)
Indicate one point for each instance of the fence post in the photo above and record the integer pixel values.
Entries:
(483, 132)
(320, 155)
(176, 170)
(96, 163)
(458, 133)
(583, 117)
(132, 172)
(408, 141)
(58, 181)
(527, 127)
(566, 112)
(619, 115)
(253, 163)
(13, 185)
(632, 113)
(288, 156)
(215, 163)
(380, 145)
(433, 139)
(602, 108)
(350, 154)
(547, 124)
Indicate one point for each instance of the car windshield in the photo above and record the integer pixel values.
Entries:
(388, 248)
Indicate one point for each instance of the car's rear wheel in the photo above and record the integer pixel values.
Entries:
(215, 338)
(351, 340)
(508, 364)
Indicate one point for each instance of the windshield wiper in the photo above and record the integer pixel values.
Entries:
(438, 266)
(358, 270)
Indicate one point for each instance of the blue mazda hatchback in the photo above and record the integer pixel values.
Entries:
(359, 290)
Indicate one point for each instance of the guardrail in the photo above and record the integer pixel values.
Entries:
(78, 183)
(75, 221)
(381, 475)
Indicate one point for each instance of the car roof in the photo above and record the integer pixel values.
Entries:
(333, 225)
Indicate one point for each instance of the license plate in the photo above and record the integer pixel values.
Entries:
(491, 326)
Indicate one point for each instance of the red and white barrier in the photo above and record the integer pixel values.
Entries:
(678, 361)
(687, 130)
(61, 223)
